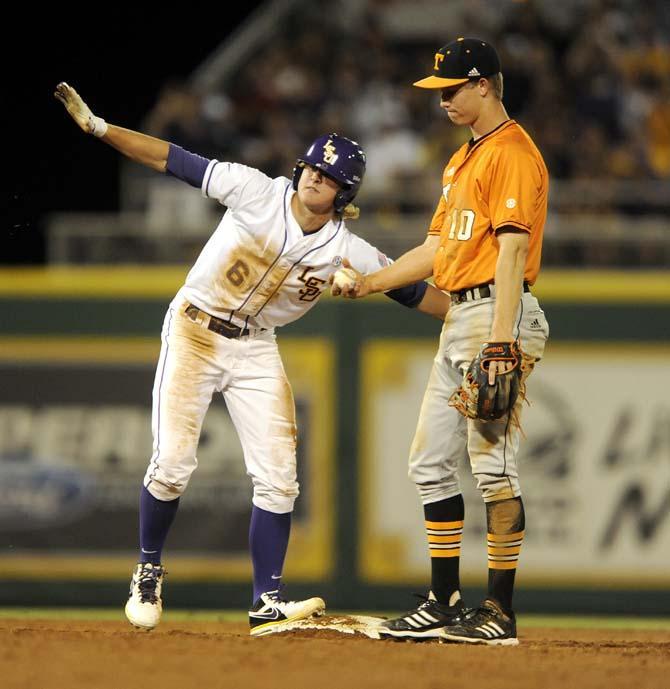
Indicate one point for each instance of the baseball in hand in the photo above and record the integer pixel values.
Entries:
(344, 279)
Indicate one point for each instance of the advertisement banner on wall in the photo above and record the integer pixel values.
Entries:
(75, 440)
(594, 468)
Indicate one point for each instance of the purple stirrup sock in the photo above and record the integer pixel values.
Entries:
(268, 542)
(156, 517)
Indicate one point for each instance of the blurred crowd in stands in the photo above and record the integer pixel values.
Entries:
(589, 79)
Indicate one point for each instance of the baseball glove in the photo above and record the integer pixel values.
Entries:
(476, 398)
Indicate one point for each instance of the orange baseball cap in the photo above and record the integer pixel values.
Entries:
(460, 61)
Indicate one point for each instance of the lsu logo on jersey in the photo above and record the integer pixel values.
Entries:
(329, 152)
(312, 288)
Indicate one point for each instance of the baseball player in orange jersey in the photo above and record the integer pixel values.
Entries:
(483, 247)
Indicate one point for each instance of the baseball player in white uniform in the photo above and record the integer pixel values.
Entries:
(266, 264)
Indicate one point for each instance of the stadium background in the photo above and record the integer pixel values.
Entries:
(94, 249)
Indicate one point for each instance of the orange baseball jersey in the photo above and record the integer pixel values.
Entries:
(499, 180)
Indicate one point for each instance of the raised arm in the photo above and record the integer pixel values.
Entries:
(139, 147)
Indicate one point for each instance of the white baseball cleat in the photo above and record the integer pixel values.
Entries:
(271, 613)
(144, 606)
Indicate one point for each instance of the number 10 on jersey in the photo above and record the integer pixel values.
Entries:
(461, 224)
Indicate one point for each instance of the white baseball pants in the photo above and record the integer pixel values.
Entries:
(194, 363)
(443, 435)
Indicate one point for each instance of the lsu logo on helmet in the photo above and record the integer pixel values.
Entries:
(329, 153)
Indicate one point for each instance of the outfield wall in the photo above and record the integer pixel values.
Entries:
(77, 353)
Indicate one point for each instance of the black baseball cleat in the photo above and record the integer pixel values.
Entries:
(271, 613)
(487, 624)
(424, 622)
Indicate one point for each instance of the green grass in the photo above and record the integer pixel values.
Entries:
(555, 621)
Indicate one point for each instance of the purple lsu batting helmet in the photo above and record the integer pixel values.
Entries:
(339, 158)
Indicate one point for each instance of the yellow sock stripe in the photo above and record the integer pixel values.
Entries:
(502, 565)
(511, 544)
(505, 551)
(452, 552)
(444, 525)
(444, 539)
(504, 538)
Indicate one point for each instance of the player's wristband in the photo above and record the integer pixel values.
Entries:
(187, 166)
(98, 126)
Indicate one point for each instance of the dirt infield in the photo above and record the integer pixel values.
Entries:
(45, 654)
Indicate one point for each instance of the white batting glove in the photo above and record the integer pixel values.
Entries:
(79, 111)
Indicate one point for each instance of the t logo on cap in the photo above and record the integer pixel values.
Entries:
(438, 58)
